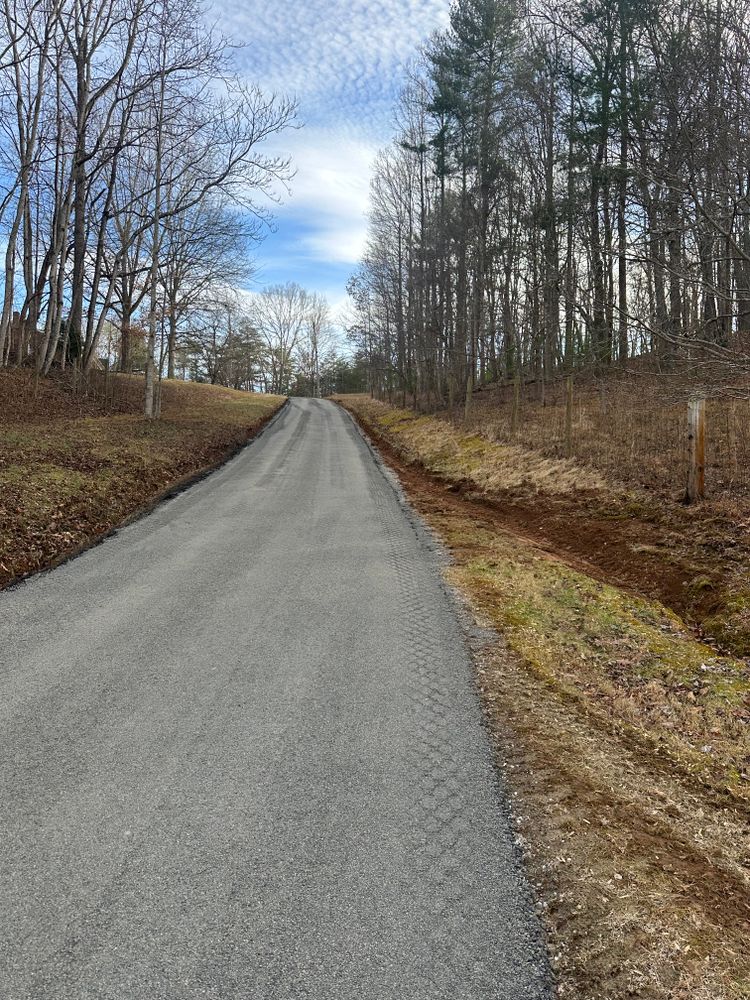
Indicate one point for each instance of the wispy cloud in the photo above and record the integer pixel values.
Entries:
(342, 58)
(330, 193)
(345, 61)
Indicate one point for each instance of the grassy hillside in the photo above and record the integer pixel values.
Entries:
(625, 735)
(71, 470)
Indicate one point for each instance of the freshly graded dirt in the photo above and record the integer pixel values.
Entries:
(695, 560)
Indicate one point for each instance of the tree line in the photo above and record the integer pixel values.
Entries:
(281, 340)
(569, 187)
(132, 178)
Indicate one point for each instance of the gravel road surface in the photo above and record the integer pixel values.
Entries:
(241, 754)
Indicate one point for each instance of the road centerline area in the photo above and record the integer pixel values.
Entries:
(241, 754)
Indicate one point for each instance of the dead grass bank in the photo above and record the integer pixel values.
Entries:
(625, 738)
(70, 472)
(694, 560)
(630, 427)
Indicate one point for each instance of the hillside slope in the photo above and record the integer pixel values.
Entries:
(71, 469)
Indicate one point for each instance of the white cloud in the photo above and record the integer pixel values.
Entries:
(331, 53)
(330, 194)
(345, 62)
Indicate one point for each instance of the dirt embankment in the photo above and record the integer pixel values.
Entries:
(71, 470)
(624, 735)
(695, 560)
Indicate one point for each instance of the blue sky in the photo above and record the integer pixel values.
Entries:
(345, 62)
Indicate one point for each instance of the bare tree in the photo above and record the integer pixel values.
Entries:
(127, 146)
(315, 344)
(279, 314)
(568, 189)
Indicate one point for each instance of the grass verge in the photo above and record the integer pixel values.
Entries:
(70, 473)
(624, 738)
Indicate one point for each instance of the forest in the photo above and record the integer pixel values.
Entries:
(568, 191)
(284, 706)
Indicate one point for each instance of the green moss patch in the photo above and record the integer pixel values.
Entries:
(632, 658)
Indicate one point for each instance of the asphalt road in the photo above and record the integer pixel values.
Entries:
(241, 754)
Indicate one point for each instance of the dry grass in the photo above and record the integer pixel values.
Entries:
(695, 560)
(632, 430)
(70, 472)
(630, 659)
(471, 457)
(632, 751)
(626, 743)
(643, 880)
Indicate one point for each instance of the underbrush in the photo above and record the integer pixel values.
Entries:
(631, 428)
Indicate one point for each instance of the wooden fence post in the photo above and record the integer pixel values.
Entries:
(516, 405)
(732, 438)
(569, 417)
(696, 482)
